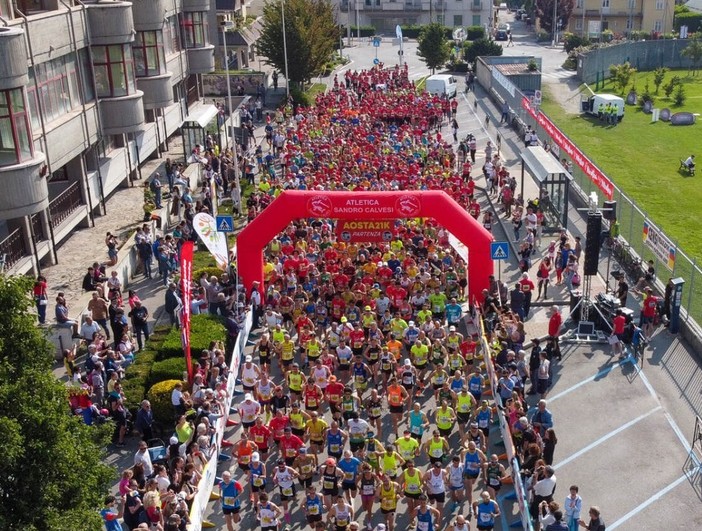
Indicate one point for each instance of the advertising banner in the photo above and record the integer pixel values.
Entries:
(661, 246)
(363, 230)
(216, 242)
(186, 274)
(598, 178)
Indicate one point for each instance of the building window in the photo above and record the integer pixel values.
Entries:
(54, 87)
(632, 4)
(658, 26)
(87, 71)
(605, 3)
(194, 29)
(114, 70)
(171, 37)
(149, 57)
(15, 132)
(579, 24)
(659, 5)
(579, 4)
(458, 20)
(476, 20)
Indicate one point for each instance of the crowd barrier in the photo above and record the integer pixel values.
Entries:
(209, 474)
(519, 494)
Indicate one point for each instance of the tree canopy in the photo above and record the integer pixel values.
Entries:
(434, 48)
(693, 51)
(544, 10)
(311, 36)
(53, 471)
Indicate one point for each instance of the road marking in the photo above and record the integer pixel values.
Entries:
(657, 496)
(603, 372)
(606, 437)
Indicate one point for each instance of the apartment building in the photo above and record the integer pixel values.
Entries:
(385, 15)
(88, 91)
(591, 17)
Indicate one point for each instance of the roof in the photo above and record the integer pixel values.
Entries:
(439, 76)
(244, 36)
(513, 69)
(542, 164)
(694, 5)
(200, 115)
(609, 97)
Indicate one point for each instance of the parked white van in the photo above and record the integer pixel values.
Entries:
(442, 84)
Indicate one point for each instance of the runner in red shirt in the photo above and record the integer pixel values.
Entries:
(312, 395)
(334, 392)
(278, 424)
(261, 435)
(289, 445)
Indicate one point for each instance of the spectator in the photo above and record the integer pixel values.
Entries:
(145, 420)
(62, 318)
(140, 325)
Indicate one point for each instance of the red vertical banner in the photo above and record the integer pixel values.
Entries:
(186, 274)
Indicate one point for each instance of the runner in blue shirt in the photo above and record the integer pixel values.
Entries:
(349, 465)
(231, 505)
(453, 312)
(486, 511)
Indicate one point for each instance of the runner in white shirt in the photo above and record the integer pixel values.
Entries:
(435, 480)
(455, 479)
(250, 374)
(248, 411)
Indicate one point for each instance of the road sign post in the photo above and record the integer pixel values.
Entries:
(499, 251)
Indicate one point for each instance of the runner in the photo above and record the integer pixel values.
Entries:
(426, 515)
(485, 511)
(256, 478)
(330, 477)
(368, 484)
(435, 480)
(341, 514)
(229, 495)
(412, 485)
(473, 463)
(437, 448)
(389, 494)
(313, 507)
(396, 395)
(454, 472)
(350, 466)
(268, 513)
(306, 465)
(284, 477)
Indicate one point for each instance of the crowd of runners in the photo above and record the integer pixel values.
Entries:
(366, 402)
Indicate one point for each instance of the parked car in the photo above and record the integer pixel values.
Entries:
(501, 35)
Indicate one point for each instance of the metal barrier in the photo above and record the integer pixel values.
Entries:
(519, 490)
(12, 249)
(209, 473)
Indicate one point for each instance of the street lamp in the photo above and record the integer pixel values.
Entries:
(235, 154)
(285, 50)
(555, 27)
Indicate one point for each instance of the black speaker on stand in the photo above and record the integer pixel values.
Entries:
(609, 210)
(592, 243)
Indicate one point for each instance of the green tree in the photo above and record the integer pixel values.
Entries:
(658, 77)
(434, 48)
(479, 48)
(693, 52)
(53, 474)
(311, 37)
(544, 11)
(621, 74)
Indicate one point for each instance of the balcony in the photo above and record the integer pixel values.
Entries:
(124, 114)
(64, 205)
(25, 190)
(13, 59)
(111, 23)
(11, 250)
(194, 6)
(201, 60)
(148, 14)
(157, 90)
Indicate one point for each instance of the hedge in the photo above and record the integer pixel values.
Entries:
(474, 33)
(134, 391)
(204, 329)
(168, 369)
(211, 271)
(412, 31)
(160, 397)
(693, 21)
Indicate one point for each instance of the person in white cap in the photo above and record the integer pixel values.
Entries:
(250, 374)
(249, 409)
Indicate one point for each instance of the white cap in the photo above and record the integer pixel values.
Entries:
(248, 359)
(255, 457)
(248, 396)
(174, 440)
(411, 323)
(408, 362)
(452, 328)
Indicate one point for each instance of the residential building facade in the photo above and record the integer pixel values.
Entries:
(385, 15)
(591, 17)
(88, 91)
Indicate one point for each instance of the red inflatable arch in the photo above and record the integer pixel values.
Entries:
(299, 204)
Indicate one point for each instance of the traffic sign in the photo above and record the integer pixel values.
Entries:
(376, 42)
(537, 97)
(499, 251)
(376, 61)
(225, 224)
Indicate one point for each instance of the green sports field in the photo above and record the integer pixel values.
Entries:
(643, 158)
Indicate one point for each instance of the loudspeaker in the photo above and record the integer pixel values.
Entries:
(609, 210)
(592, 243)
(575, 298)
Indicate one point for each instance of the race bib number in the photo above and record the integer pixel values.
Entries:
(313, 510)
(290, 452)
(483, 423)
(311, 402)
(258, 439)
(244, 459)
(485, 518)
(267, 521)
(287, 491)
(423, 526)
(258, 481)
(413, 488)
(387, 504)
(417, 430)
(328, 484)
(348, 407)
(375, 412)
(334, 448)
(306, 469)
(348, 476)
(229, 501)
(437, 452)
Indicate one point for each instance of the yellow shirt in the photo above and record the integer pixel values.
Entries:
(316, 429)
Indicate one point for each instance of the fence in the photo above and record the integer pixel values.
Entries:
(644, 240)
(519, 494)
(11, 249)
(209, 473)
(62, 207)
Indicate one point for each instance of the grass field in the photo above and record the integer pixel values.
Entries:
(642, 158)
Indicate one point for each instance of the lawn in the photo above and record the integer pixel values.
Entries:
(642, 158)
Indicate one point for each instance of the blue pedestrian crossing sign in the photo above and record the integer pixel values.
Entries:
(225, 224)
(499, 251)
(376, 42)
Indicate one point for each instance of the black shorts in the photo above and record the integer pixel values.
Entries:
(287, 318)
(408, 387)
(289, 461)
(433, 460)
(287, 498)
(463, 418)
(371, 362)
(307, 482)
(331, 492)
(348, 486)
(313, 519)
(397, 409)
(541, 386)
(356, 446)
(258, 488)
(311, 408)
(344, 366)
(227, 511)
(243, 466)
(286, 363)
(446, 432)
(248, 425)
(436, 387)
(438, 498)
(336, 456)
(298, 432)
(388, 511)
(334, 408)
(420, 367)
(413, 495)
(247, 388)
(496, 488)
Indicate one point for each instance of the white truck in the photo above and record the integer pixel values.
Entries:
(442, 84)
(591, 104)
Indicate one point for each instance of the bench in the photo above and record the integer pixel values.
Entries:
(686, 168)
